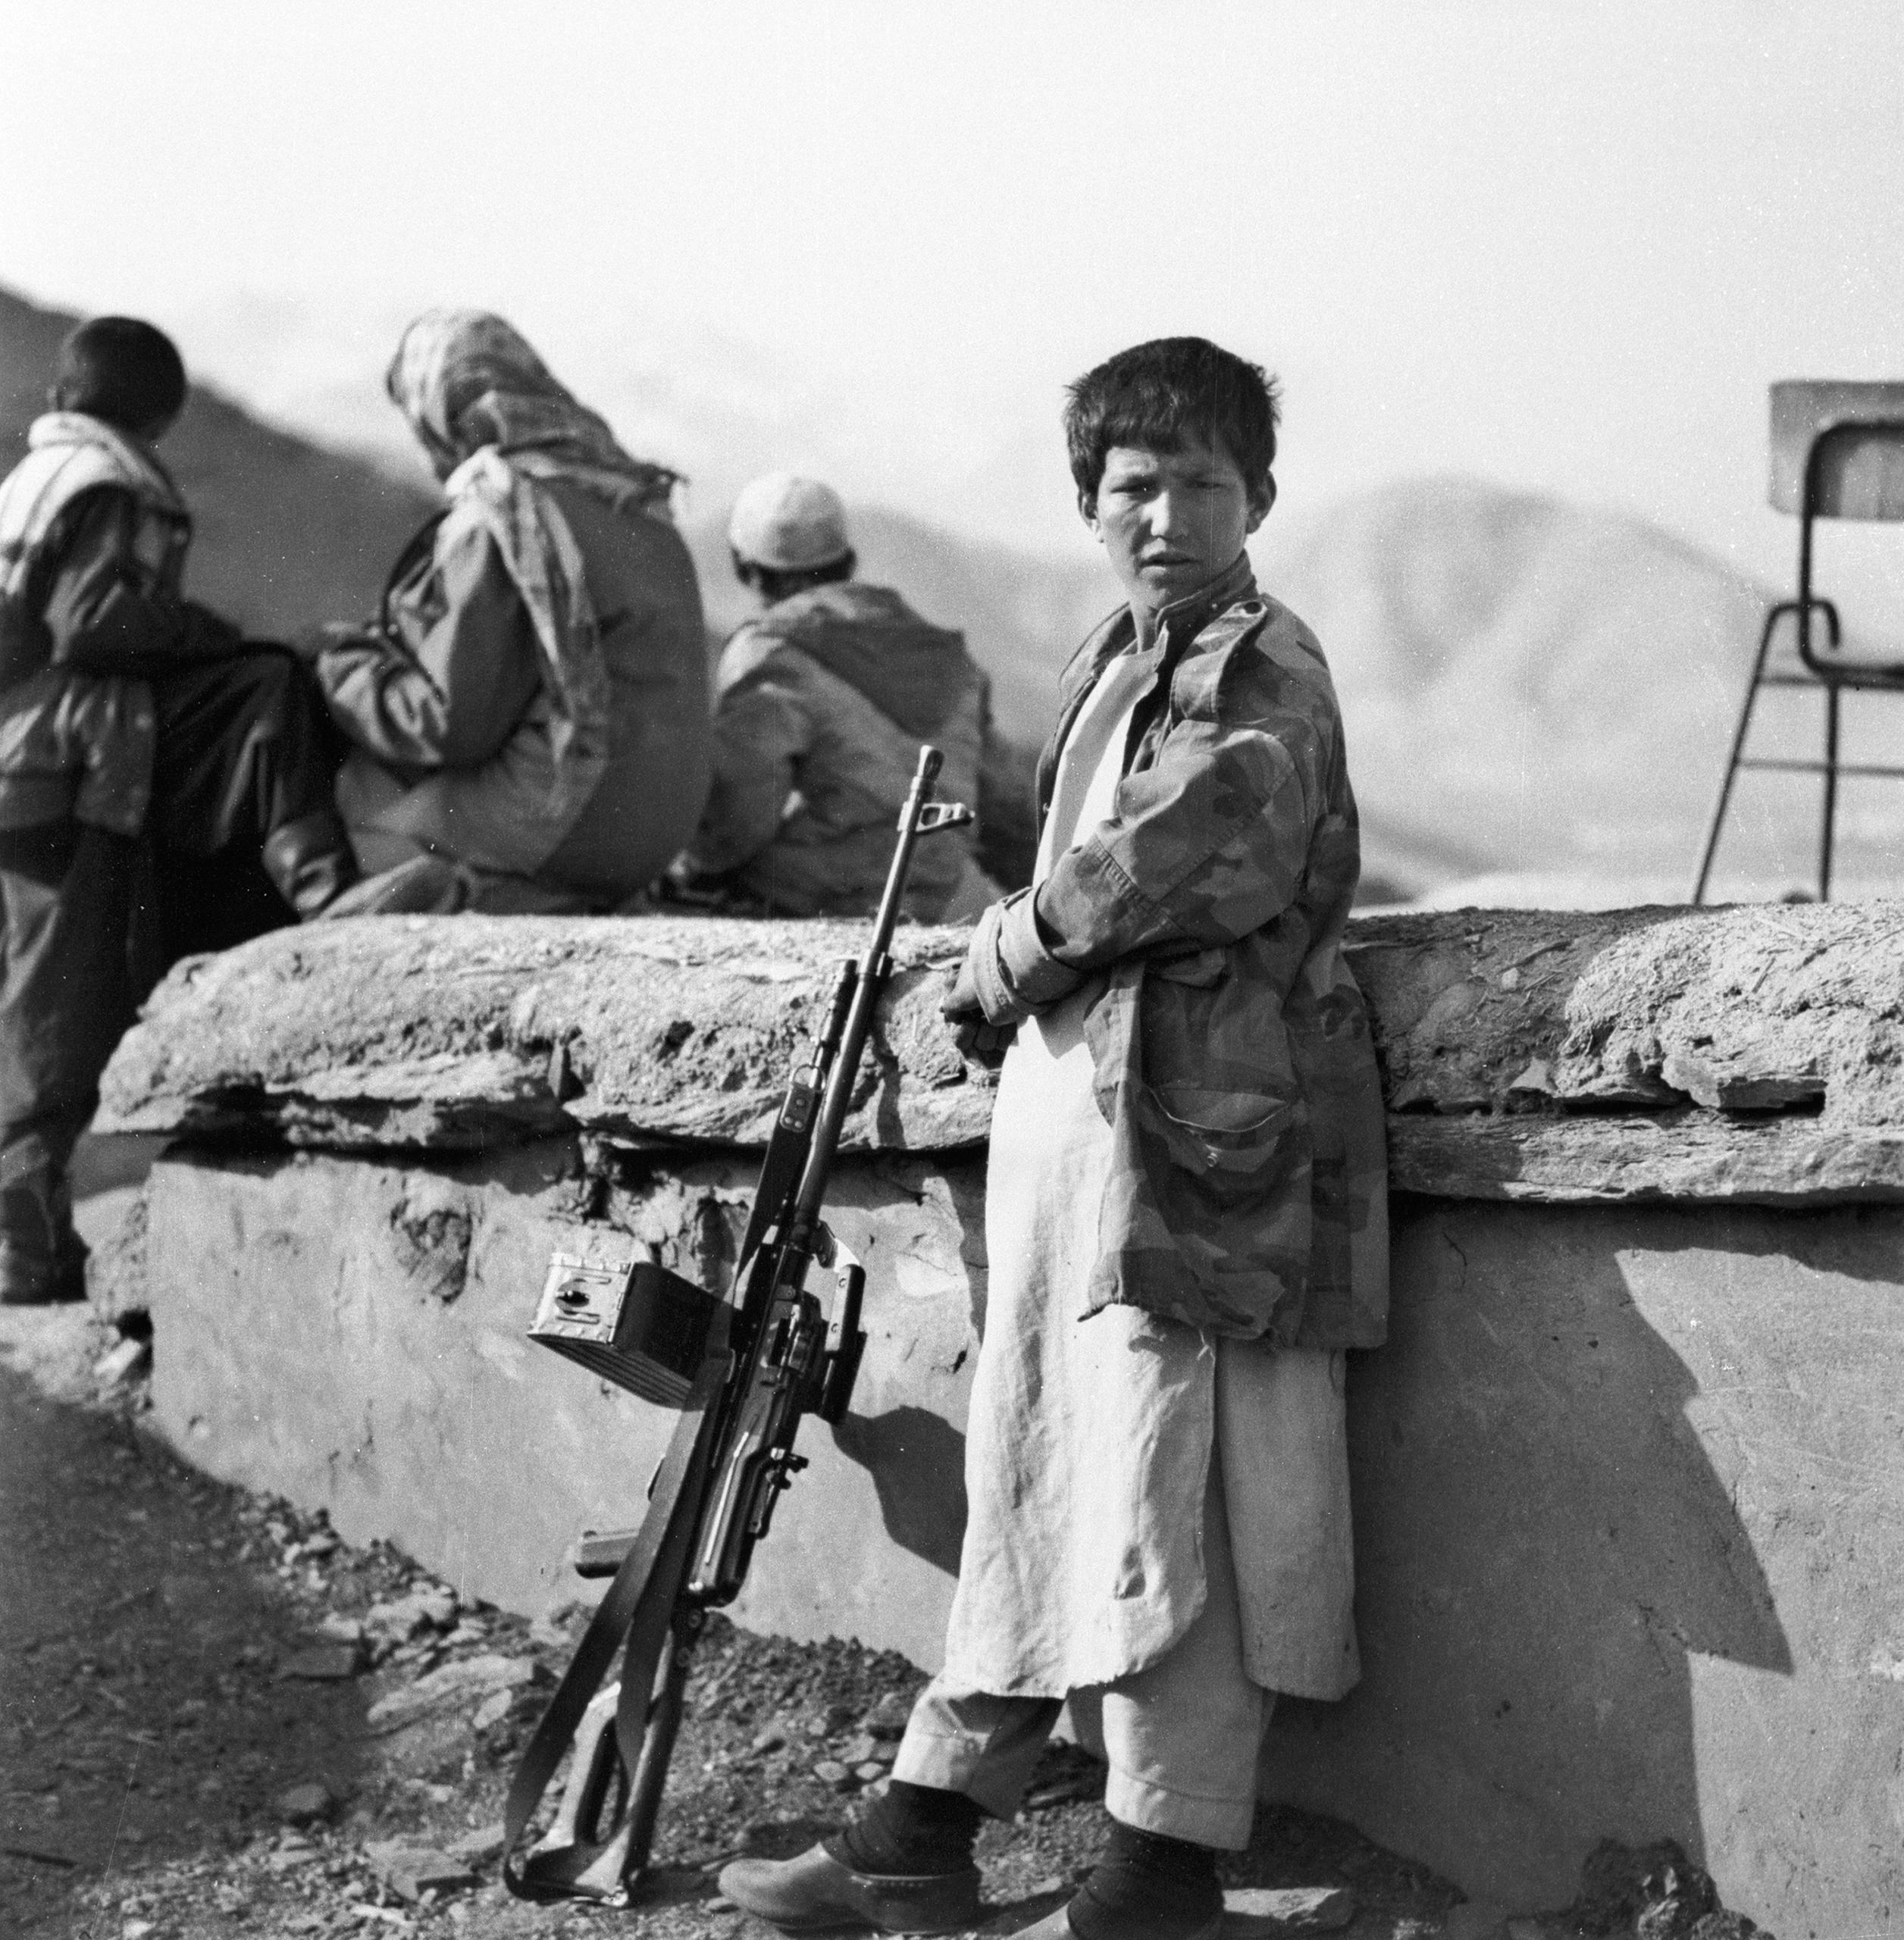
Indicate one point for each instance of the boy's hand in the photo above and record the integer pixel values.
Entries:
(984, 1043)
(984, 1039)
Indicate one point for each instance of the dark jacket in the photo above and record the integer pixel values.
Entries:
(93, 538)
(820, 705)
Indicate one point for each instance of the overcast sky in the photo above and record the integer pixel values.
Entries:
(1566, 245)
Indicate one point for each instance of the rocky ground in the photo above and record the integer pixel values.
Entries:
(218, 1719)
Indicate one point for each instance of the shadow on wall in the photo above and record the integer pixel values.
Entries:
(917, 1460)
(1543, 1544)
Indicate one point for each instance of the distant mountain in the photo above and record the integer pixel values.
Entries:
(1553, 688)
(288, 534)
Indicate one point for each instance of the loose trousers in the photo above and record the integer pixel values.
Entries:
(1181, 1735)
(89, 919)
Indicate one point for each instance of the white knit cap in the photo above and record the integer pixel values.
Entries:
(788, 524)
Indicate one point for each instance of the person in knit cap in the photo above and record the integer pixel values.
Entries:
(527, 712)
(820, 704)
(154, 765)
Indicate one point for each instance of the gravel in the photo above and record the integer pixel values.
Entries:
(217, 1719)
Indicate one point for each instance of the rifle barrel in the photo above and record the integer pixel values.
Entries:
(875, 968)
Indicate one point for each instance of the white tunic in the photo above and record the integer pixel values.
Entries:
(1089, 1439)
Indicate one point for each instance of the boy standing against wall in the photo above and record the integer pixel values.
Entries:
(1186, 1216)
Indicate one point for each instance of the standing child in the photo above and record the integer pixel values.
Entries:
(1186, 1216)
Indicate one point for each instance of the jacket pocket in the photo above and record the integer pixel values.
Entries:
(1221, 1133)
(1202, 972)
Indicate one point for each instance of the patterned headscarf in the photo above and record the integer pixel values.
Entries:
(502, 430)
(465, 380)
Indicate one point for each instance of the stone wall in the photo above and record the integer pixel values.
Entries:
(1628, 1473)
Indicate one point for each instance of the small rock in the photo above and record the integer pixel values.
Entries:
(451, 1686)
(414, 1616)
(552, 1629)
(836, 1718)
(1051, 1883)
(868, 1770)
(887, 1718)
(341, 1629)
(493, 1708)
(410, 1871)
(137, 1929)
(720, 1903)
(1287, 1909)
(288, 1857)
(326, 1663)
(773, 1739)
(439, 1607)
(305, 1804)
(479, 1848)
(122, 1362)
(830, 1771)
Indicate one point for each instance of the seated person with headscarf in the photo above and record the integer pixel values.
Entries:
(820, 704)
(529, 712)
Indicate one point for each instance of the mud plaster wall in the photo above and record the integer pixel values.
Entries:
(1628, 1475)
(350, 1334)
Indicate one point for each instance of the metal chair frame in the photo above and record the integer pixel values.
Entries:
(1833, 677)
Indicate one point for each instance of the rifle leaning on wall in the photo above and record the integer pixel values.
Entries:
(742, 1370)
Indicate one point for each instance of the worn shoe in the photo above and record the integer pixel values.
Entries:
(816, 1893)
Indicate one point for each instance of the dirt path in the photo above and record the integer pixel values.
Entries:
(172, 1677)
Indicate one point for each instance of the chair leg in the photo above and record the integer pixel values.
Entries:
(1738, 745)
(1830, 792)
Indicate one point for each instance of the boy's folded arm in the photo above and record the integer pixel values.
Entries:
(1208, 845)
(102, 619)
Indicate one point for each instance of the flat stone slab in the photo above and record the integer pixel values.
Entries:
(1270, 1913)
(1754, 1053)
(466, 1031)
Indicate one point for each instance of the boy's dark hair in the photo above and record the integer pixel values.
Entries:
(1156, 395)
(122, 369)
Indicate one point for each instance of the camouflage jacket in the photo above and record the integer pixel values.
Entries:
(1231, 1048)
